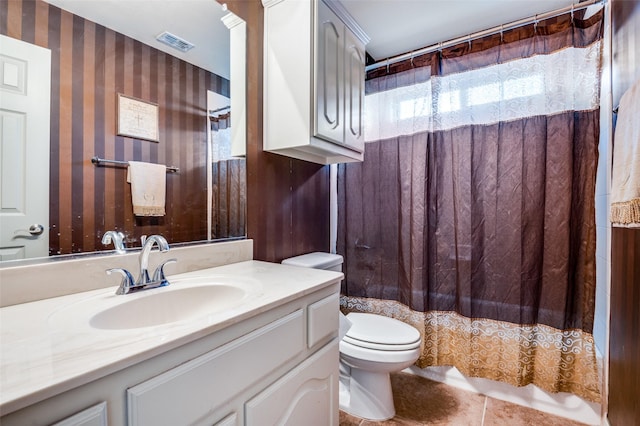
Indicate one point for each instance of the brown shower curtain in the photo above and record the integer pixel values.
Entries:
(482, 234)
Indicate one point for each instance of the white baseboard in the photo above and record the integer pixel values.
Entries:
(561, 404)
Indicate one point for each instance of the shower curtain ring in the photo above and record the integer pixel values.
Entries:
(535, 24)
(572, 13)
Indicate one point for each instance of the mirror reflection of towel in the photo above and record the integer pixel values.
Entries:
(148, 188)
(625, 179)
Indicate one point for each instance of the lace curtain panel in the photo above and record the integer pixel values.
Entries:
(472, 216)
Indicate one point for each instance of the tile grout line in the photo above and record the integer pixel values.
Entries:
(484, 409)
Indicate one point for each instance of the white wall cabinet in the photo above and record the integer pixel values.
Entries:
(313, 81)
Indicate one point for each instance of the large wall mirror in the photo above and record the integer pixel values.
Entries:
(101, 52)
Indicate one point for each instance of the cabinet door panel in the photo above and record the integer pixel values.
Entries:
(330, 84)
(323, 320)
(354, 91)
(307, 395)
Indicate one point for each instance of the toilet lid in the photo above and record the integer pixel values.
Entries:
(379, 332)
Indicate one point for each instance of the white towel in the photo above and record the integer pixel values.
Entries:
(148, 188)
(625, 179)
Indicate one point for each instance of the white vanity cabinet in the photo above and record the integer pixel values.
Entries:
(314, 61)
(200, 391)
(277, 367)
(219, 386)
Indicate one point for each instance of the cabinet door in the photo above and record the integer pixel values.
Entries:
(329, 54)
(307, 395)
(354, 91)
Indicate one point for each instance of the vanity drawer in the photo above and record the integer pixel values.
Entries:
(92, 416)
(230, 420)
(195, 392)
(323, 321)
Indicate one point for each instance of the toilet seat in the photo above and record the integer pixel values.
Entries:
(380, 346)
(376, 332)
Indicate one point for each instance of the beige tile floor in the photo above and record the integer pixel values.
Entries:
(420, 401)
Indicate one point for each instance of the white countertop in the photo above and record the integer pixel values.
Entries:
(44, 352)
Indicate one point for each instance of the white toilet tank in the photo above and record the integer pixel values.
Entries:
(326, 261)
(317, 260)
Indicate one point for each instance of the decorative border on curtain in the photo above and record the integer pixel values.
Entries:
(625, 213)
(554, 360)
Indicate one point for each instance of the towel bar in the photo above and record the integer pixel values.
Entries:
(99, 161)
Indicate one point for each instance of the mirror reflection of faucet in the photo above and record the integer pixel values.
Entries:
(127, 285)
(118, 241)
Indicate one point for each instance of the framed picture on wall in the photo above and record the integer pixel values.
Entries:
(138, 119)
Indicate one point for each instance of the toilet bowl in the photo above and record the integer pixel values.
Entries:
(371, 348)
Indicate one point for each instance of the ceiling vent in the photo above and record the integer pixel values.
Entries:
(175, 42)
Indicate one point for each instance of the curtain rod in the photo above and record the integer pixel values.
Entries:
(211, 111)
(479, 34)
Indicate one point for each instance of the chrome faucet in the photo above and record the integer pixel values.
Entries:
(127, 285)
(149, 242)
(118, 241)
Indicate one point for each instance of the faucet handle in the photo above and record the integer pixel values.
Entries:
(158, 275)
(127, 280)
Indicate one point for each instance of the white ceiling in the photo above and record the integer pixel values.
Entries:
(197, 21)
(394, 26)
(401, 26)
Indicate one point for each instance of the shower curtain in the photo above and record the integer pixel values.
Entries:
(472, 216)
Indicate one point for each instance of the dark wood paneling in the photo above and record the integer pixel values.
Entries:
(287, 199)
(624, 344)
(90, 65)
(624, 354)
(229, 198)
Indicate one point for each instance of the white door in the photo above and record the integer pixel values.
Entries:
(25, 80)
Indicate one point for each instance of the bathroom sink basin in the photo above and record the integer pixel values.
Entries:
(168, 306)
(185, 299)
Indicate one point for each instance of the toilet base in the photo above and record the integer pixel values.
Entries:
(367, 394)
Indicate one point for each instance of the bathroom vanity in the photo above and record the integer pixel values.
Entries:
(267, 353)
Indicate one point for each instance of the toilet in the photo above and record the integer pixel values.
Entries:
(372, 347)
